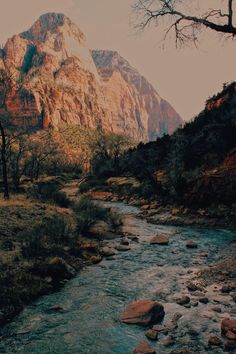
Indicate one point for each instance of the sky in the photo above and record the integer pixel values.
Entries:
(185, 77)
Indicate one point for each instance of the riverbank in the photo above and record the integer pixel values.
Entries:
(41, 248)
(215, 217)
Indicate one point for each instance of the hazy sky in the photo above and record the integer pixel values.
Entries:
(186, 77)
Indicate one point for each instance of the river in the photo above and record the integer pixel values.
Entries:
(93, 300)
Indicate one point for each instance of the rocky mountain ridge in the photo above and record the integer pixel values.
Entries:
(62, 83)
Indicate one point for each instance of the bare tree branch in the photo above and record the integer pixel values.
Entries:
(185, 26)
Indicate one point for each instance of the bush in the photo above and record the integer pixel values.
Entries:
(84, 187)
(50, 191)
(32, 242)
(88, 213)
(57, 229)
(54, 230)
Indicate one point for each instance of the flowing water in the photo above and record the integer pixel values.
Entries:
(92, 302)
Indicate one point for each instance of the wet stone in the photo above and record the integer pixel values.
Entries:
(168, 341)
(204, 300)
(144, 348)
(151, 334)
(184, 300)
(214, 341)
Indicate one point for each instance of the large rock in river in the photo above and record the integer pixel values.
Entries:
(144, 348)
(143, 312)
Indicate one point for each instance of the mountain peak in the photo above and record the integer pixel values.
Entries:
(51, 22)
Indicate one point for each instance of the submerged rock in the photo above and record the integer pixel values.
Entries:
(144, 348)
(143, 312)
(191, 244)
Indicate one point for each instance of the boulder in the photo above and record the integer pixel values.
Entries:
(191, 244)
(143, 312)
(228, 325)
(144, 348)
(160, 240)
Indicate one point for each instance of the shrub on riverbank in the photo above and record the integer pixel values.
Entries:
(88, 212)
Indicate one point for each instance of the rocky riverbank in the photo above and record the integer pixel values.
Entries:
(41, 248)
(220, 216)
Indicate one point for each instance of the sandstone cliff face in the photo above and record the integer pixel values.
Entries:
(58, 84)
(133, 103)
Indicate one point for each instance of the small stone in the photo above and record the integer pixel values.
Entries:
(216, 309)
(187, 306)
(230, 335)
(160, 240)
(124, 241)
(192, 332)
(122, 248)
(214, 341)
(168, 341)
(194, 303)
(191, 244)
(204, 300)
(151, 334)
(226, 289)
(230, 344)
(171, 326)
(193, 287)
(55, 308)
(177, 316)
(108, 251)
(160, 328)
(144, 348)
(203, 255)
(183, 300)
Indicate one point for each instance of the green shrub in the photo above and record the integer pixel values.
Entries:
(41, 236)
(50, 191)
(32, 242)
(57, 229)
(84, 187)
(88, 213)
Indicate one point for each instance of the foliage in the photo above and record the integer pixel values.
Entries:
(53, 230)
(49, 190)
(183, 158)
(87, 213)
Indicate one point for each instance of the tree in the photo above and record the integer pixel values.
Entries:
(183, 20)
(5, 86)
